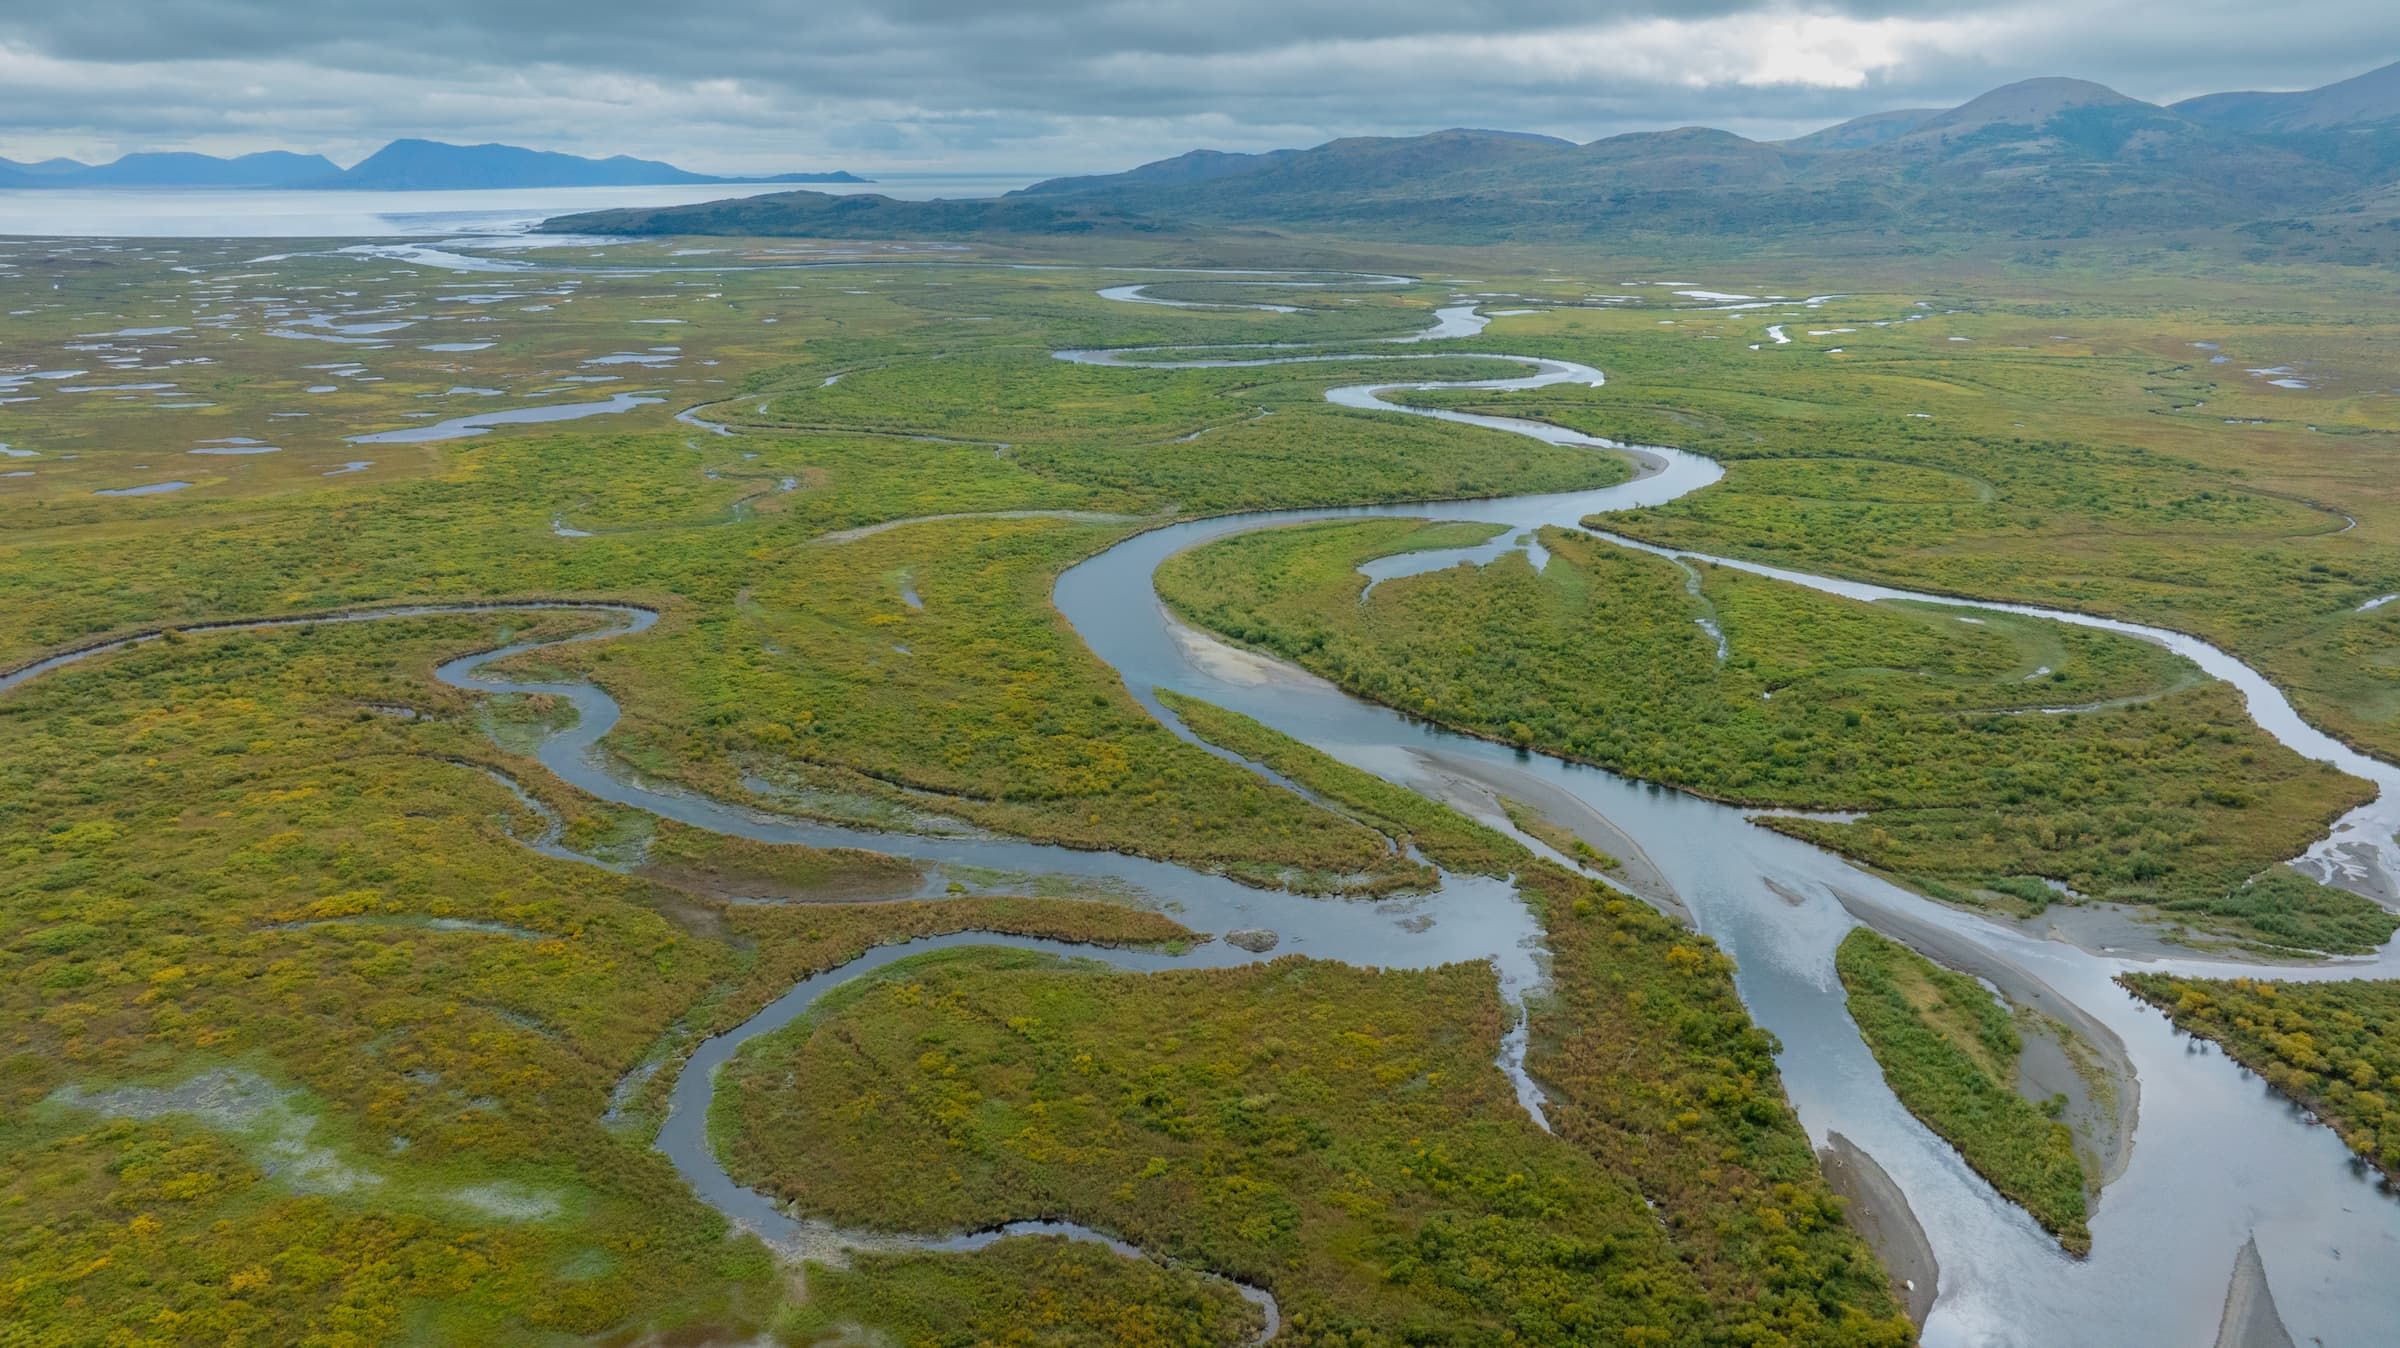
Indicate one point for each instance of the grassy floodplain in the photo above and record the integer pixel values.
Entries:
(970, 703)
(263, 895)
(2161, 792)
(299, 1016)
(1340, 1136)
(304, 1043)
(1036, 1289)
(1337, 1135)
(2159, 436)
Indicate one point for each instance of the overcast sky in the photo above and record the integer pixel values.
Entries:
(1076, 85)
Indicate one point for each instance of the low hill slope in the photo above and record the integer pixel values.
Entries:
(2043, 158)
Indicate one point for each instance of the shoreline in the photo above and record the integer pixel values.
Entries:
(1476, 789)
(1877, 1208)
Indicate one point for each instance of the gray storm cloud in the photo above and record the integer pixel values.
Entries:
(1075, 85)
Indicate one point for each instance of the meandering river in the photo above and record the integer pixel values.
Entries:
(2216, 1156)
(2217, 1159)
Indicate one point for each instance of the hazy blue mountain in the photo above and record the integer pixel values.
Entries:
(873, 215)
(2354, 124)
(49, 167)
(273, 168)
(403, 165)
(2364, 100)
(2045, 154)
(414, 165)
(2026, 103)
(2040, 158)
(1349, 164)
(1686, 158)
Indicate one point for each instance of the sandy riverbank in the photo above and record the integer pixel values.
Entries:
(2251, 1320)
(1079, 516)
(1222, 659)
(1878, 1210)
(1476, 787)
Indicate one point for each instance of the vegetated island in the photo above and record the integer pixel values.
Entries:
(1952, 1054)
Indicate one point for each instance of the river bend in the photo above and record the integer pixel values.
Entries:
(2162, 1243)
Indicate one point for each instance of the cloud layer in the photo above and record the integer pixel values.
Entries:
(1077, 85)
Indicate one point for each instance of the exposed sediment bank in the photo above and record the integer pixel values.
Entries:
(1464, 783)
(1878, 1208)
(2251, 1320)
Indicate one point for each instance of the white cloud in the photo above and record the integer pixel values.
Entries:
(1758, 50)
(1078, 85)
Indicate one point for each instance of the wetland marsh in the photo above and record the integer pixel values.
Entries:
(942, 642)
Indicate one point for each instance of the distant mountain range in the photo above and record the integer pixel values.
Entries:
(2045, 158)
(402, 166)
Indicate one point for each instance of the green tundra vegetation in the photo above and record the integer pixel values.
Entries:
(2332, 1046)
(306, 1044)
(1337, 1135)
(1949, 1050)
(1936, 724)
(301, 1018)
(1728, 1171)
(249, 1006)
(2167, 440)
(1647, 1061)
(295, 1015)
(1031, 1289)
(1685, 1103)
(792, 653)
(1652, 1065)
